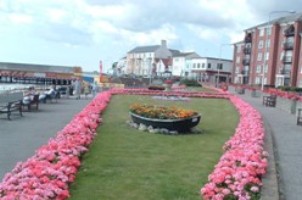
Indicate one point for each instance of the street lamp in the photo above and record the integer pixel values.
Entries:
(266, 48)
(220, 64)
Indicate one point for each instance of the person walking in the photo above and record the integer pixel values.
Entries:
(77, 88)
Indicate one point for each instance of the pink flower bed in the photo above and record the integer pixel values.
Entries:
(285, 94)
(238, 172)
(47, 174)
(170, 93)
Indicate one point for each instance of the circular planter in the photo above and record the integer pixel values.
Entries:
(180, 125)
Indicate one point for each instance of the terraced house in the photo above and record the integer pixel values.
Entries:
(270, 54)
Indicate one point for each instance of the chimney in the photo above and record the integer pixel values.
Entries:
(164, 43)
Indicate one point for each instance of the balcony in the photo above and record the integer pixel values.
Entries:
(288, 46)
(287, 59)
(247, 50)
(248, 39)
(285, 72)
(290, 31)
(246, 61)
(245, 72)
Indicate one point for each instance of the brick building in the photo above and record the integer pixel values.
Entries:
(270, 54)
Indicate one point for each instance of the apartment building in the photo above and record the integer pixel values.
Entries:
(270, 53)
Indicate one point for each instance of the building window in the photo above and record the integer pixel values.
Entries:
(268, 43)
(260, 44)
(237, 70)
(198, 65)
(203, 65)
(176, 59)
(194, 65)
(265, 68)
(259, 57)
(261, 32)
(219, 66)
(268, 30)
(258, 69)
(266, 55)
(209, 65)
(265, 81)
(257, 81)
(238, 59)
(238, 48)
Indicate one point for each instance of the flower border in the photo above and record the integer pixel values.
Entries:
(48, 173)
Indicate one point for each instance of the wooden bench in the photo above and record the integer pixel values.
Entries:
(269, 100)
(11, 102)
(299, 116)
(34, 102)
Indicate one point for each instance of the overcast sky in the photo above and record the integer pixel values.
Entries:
(83, 32)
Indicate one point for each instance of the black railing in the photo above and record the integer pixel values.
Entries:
(287, 59)
(247, 50)
(288, 46)
(246, 61)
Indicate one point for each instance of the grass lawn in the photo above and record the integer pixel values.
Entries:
(124, 163)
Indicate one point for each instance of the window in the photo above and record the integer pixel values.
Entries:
(281, 55)
(237, 70)
(257, 81)
(266, 55)
(258, 69)
(198, 65)
(260, 44)
(265, 81)
(238, 48)
(219, 66)
(268, 43)
(176, 59)
(259, 57)
(194, 65)
(261, 32)
(238, 59)
(268, 30)
(265, 68)
(209, 65)
(203, 65)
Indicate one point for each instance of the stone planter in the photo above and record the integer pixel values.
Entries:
(287, 105)
(180, 125)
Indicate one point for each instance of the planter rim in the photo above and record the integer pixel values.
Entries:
(163, 120)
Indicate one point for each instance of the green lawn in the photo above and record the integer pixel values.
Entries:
(124, 163)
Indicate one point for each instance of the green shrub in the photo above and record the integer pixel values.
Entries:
(190, 82)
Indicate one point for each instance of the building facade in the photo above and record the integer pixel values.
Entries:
(22, 73)
(181, 63)
(270, 54)
(213, 70)
(149, 60)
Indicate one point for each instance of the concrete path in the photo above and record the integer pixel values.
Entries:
(286, 141)
(20, 137)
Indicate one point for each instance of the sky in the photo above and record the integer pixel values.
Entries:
(83, 32)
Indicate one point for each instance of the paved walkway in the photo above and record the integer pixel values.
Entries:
(287, 143)
(20, 137)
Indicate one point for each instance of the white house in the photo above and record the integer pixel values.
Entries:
(210, 69)
(181, 63)
(147, 60)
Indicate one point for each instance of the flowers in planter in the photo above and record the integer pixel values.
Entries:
(161, 112)
(168, 81)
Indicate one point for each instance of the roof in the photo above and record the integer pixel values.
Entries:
(143, 49)
(221, 59)
(174, 52)
(35, 67)
(185, 54)
(280, 20)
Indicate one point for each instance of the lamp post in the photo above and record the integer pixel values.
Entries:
(266, 48)
(220, 64)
